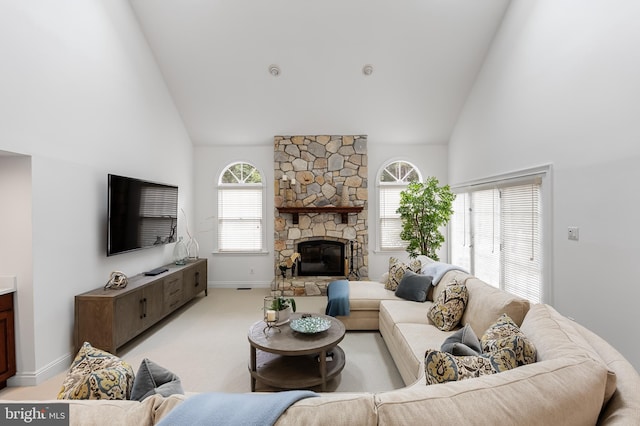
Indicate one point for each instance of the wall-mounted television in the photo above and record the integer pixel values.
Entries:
(141, 214)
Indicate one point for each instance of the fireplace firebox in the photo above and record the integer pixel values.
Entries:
(321, 257)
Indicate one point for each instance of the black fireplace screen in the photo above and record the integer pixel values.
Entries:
(321, 258)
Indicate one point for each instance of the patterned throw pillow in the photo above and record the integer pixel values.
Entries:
(448, 307)
(504, 333)
(397, 270)
(441, 367)
(96, 374)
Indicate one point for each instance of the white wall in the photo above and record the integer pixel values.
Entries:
(232, 270)
(229, 270)
(16, 252)
(560, 85)
(82, 97)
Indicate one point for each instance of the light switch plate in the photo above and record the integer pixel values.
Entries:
(574, 233)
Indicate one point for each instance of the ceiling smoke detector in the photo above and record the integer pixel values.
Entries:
(274, 70)
(367, 69)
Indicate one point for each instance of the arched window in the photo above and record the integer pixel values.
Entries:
(393, 178)
(240, 209)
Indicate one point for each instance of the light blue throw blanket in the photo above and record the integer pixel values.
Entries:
(438, 269)
(233, 409)
(338, 298)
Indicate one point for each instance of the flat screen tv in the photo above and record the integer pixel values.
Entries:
(141, 214)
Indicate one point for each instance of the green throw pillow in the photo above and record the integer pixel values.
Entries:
(96, 374)
(448, 308)
(442, 367)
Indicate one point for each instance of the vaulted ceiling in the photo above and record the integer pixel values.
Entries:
(215, 57)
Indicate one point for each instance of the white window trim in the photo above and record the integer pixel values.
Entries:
(545, 172)
(216, 248)
(378, 233)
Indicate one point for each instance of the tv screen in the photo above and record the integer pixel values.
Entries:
(141, 214)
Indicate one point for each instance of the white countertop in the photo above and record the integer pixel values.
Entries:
(7, 284)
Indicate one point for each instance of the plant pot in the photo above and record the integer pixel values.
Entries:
(283, 315)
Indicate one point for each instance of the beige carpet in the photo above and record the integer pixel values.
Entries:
(205, 344)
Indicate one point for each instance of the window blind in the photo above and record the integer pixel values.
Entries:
(496, 232)
(486, 235)
(460, 231)
(390, 222)
(239, 218)
(521, 251)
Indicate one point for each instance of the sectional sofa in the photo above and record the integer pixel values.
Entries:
(578, 379)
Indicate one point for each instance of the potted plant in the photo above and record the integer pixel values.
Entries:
(424, 208)
(284, 306)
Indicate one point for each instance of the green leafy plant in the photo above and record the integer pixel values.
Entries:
(280, 303)
(424, 208)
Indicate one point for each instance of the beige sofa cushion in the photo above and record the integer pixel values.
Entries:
(486, 304)
(331, 409)
(366, 295)
(566, 391)
(400, 311)
(625, 402)
(408, 344)
(114, 412)
(555, 336)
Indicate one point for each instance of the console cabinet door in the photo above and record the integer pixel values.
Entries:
(129, 316)
(153, 303)
(195, 280)
(7, 339)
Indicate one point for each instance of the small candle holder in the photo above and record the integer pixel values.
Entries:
(270, 316)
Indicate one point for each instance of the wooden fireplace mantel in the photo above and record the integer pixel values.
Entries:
(344, 211)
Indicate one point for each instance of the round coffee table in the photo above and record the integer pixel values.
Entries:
(292, 360)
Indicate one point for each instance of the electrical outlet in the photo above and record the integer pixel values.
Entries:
(574, 233)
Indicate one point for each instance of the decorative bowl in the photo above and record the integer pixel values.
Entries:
(310, 325)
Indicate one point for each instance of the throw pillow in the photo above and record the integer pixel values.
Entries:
(397, 270)
(96, 374)
(441, 367)
(414, 286)
(463, 342)
(152, 379)
(448, 308)
(504, 333)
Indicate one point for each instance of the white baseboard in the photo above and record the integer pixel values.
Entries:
(34, 378)
(239, 284)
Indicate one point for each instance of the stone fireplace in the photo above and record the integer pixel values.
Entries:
(321, 210)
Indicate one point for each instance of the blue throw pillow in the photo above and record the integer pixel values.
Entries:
(414, 286)
(463, 342)
(152, 379)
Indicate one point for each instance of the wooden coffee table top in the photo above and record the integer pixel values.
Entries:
(289, 342)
